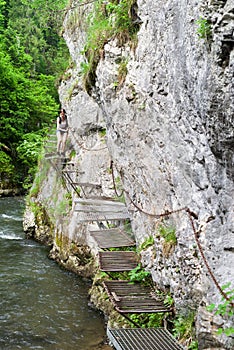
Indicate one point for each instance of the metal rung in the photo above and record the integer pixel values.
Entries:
(142, 339)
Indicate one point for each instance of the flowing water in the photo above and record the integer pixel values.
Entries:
(41, 305)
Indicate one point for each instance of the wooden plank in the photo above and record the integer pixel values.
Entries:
(98, 202)
(133, 298)
(110, 238)
(99, 209)
(86, 184)
(73, 171)
(125, 288)
(117, 261)
(88, 217)
(52, 157)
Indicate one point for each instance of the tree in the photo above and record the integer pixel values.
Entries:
(30, 61)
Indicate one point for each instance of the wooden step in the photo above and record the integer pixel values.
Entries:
(87, 184)
(117, 261)
(100, 210)
(54, 156)
(50, 146)
(133, 298)
(51, 141)
(112, 238)
(73, 171)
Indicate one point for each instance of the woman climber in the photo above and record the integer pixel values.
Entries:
(62, 130)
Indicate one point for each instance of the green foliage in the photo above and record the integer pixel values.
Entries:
(119, 16)
(63, 206)
(139, 275)
(68, 196)
(147, 320)
(40, 176)
(147, 243)
(184, 329)
(168, 300)
(193, 345)
(6, 166)
(72, 154)
(122, 71)
(32, 56)
(102, 132)
(34, 190)
(203, 29)
(36, 25)
(168, 233)
(30, 148)
(225, 309)
(109, 19)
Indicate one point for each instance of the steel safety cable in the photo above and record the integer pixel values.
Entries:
(191, 216)
(205, 260)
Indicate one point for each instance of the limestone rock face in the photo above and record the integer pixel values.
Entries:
(169, 132)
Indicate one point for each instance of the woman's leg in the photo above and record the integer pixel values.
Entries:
(63, 143)
(59, 140)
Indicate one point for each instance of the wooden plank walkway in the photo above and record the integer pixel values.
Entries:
(112, 238)
(133, 298)
(142, 339)
(117, 261)
(52, 156)
(86, 184)
(100, 210)
(52, 141)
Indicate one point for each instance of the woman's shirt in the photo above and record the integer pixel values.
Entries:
(63, 125)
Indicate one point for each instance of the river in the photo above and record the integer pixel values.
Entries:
(42, 306)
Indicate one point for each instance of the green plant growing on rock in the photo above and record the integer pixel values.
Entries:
(68, 196)
(203, 29)
(109, 19)
(147, 243)
(72, 154)
(39, 178)
(184, 330)
(168, 300)
(122, 71)
(140, 275)
(102, 132)
(64, 206)
(168, 233)
(225, 308)
(147, 320)
(170, 240)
